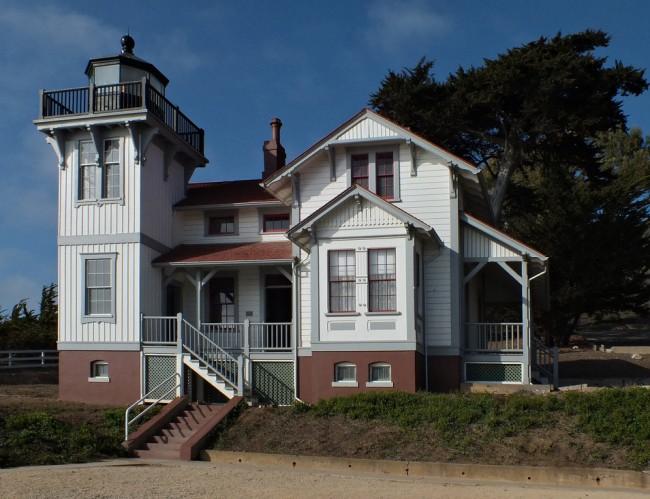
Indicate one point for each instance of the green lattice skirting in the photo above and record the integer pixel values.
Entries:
(273, 382)
(494, 373)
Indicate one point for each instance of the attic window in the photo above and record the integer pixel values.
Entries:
(385, 174)
(219, 225)
(359, 164)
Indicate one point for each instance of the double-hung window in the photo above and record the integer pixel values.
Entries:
(275, 222)
(221, 225)
(382, 282)
(342, 281)
(95, 183)
(99, 287)
(359, 165)
(385, 176)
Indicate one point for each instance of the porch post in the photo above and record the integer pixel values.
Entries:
(199, 288)
(525, 306)
(179, 353)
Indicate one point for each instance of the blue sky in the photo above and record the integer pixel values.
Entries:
(235, 65)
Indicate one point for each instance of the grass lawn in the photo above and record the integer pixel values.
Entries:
(609, 428)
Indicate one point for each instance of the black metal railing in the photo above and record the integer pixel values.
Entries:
(120, 97)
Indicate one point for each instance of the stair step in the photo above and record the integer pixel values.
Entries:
(154, 446)
(164, 439)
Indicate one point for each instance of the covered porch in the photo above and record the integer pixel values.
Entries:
(238, 295)
(504, 294)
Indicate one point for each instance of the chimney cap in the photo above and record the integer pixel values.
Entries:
(128, 43)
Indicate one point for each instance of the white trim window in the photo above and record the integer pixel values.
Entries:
(376, 170)
(111, 177)
(87, 171)
(342, 285)
(99, 371)
(98, 272)
(379, 373)
(382, 280)
(100, 184)
(345, 374)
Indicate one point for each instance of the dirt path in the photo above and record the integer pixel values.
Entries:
(129, 478)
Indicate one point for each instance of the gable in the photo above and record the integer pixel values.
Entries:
(365, 129)
(478, 245)
(359, 213)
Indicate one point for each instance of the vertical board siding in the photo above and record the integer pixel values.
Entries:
(479, 245)
(316, 188)
(127, 295)
(152, 298)
(94, 219)
(250, 286)
(305, 307)
(367, 129)
(158, 196)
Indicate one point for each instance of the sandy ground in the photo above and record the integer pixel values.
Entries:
(130, 478)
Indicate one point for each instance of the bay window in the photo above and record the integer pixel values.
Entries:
(382, 282)
(342, 281)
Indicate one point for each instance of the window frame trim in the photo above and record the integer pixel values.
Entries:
(372, 151)
(329, 311)
(396, 310)
(380, 383)
(220, 214)
(345, 383)
(90, 318)
(98, 200)
(99, 379)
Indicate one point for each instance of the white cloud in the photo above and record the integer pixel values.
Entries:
(394, 24)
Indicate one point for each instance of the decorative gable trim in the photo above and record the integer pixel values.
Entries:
(366, 202)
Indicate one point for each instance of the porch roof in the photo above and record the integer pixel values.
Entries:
(227, 254)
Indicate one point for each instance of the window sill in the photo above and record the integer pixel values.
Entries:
(98, 318)
(345, 384)
(379, 384)
(374, 314)
(342, 314)
(99, 379)
(99, 202)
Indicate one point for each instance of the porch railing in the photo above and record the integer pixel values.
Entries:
(545, 361)
(119, 97)
(233, 336)
(159, 330)
(494, 336)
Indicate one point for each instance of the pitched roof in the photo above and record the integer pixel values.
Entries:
(501, 236)
(236, 191)
(366, 112)
(188, 254)
(357, 190)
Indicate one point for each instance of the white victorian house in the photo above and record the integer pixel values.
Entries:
(368, 262)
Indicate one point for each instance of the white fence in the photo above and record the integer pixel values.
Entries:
(494, 336)
(11, 359)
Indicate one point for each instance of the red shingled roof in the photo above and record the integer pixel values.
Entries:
(236, 191)
(223, 253)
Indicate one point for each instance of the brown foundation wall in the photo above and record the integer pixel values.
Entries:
(124, 373)
(445, 373)
(316, 373)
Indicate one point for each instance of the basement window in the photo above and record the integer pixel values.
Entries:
(345, 374)
(99, 372)
(379, 375)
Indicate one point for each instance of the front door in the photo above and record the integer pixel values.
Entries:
(222, 300)
(278, 298)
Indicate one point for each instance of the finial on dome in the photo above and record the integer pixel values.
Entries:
(127, 44)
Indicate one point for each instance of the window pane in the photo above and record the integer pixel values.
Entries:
(98, 301)
(112, 151)
(221, 225)
(342, 281)
(111, 180)
(100, 370)
(382, 284)
(276, 223)
(380, 372)
(222, 300)
(87, 180)
(87, 153)
(384, 168)
(359, 167)
(346, 372)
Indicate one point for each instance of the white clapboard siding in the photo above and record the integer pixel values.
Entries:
(305, 307)
(250, 286)
(79, 219)
(192, 228)
(158, 196)
(478, 245)
(316, 188)
(127, 294)
(367, 128)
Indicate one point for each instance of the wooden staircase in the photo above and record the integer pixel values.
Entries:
(179, 431)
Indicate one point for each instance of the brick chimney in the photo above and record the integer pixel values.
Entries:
(274, 154)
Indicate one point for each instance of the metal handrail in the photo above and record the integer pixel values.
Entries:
(127, 423)
(546, 360)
